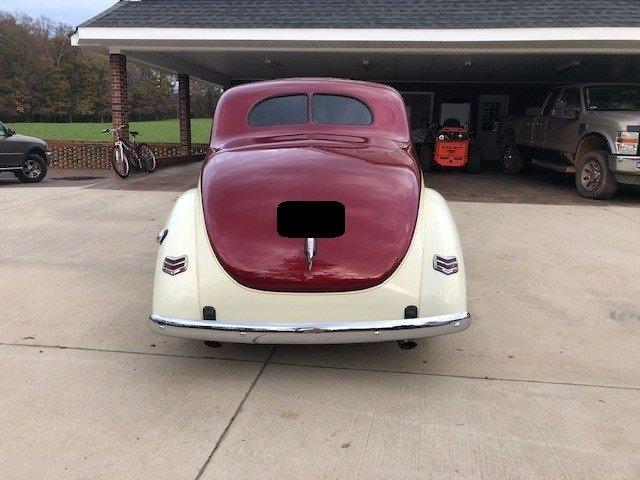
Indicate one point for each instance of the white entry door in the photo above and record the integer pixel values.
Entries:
(491, 109)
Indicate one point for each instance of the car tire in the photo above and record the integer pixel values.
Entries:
(426, 157)
(511, 161)
(475, 160)
(593, 177)
(34, 169)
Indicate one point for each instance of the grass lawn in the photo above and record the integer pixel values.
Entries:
(157, 131)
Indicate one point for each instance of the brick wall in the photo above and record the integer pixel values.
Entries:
(184, 113)
(96, 155)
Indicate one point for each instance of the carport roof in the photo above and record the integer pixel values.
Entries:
(405, 14)
(489, 41)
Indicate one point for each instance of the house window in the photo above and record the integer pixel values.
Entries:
(285, 110)
(340, 110)
(491, 114)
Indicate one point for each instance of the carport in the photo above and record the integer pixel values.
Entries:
(501, 57)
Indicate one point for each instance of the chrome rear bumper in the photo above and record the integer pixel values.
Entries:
(348, 332)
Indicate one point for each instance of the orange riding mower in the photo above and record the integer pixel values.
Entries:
(449, 147)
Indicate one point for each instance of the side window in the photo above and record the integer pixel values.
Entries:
(551, 102)
(340, 110)
(572, 97)
(569, 105)
(3, 130)
(285, 110)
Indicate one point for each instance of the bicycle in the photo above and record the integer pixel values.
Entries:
(141, 154)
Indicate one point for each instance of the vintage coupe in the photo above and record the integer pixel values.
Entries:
(311, 223)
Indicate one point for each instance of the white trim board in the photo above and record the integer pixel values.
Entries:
(92, 34)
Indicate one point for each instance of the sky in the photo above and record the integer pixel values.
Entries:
(72, 12)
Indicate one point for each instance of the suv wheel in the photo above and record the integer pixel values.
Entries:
(511, 161)
(593, 177)
(34, 169)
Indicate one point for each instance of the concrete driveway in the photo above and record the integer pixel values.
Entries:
(544, 385)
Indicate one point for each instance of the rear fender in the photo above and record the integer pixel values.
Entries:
(177, 295)
(441, 294)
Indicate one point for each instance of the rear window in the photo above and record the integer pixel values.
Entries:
(286, 110)
(340, 110)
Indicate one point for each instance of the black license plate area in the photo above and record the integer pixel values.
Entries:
(306, 219)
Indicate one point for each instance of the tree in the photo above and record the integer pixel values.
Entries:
(42, 78)
(151, 94)
(204, 98)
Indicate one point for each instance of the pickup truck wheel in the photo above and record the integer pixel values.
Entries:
(425, 157)
(34, 169)
(593, 177)
(511, 161)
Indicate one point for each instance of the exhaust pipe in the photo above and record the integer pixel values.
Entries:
(407, 344)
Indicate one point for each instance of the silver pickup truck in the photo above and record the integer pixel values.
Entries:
(589, 129)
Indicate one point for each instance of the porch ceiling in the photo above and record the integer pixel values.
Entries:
(233, 66)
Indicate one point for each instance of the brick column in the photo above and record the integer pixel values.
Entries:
(118, 91)
(184, 114)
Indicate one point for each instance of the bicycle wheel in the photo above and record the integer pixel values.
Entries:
(120, 162)
(147, 157)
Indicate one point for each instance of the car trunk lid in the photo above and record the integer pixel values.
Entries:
(242, 190)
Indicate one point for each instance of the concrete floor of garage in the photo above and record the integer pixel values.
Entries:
(545, 384)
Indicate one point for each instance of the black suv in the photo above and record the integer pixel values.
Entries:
(26, 157)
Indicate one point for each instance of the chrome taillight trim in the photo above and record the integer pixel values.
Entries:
(175, 265)
(444, 264)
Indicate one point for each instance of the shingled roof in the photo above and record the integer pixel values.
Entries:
(422, 14)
